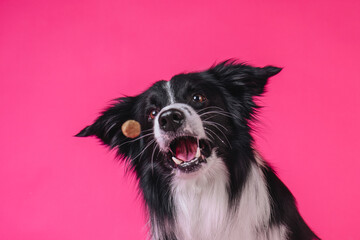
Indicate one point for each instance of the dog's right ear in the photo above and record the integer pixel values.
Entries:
(107, 127)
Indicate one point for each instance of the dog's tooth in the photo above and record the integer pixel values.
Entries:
(198, 153)
(177, 161)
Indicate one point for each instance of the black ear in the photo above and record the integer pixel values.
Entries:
(250, 79)
(107, 127)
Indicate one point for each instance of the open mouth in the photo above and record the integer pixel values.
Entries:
(188, 153)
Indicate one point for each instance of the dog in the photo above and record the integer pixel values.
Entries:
(196, 166)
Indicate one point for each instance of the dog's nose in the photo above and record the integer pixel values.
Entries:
(171, 120)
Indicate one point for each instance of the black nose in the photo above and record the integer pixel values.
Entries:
(171, 120)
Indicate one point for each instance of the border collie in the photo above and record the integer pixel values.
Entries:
(199, 175)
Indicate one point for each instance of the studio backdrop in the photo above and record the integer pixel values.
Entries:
(62, 62)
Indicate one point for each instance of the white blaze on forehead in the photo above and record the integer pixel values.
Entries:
(192, 125)
(169, 92)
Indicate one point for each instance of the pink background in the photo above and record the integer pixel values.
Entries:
(61, 62)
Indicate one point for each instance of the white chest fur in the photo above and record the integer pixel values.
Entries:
(202, 210)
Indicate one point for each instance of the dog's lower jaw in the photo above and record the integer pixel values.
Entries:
(203, 212)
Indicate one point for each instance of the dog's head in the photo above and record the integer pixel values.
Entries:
(185, 120)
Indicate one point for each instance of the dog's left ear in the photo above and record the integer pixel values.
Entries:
(251, 79)
(107, 127)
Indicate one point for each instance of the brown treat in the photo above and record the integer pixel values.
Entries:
(131, 128)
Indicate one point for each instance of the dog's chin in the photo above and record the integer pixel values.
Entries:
(187, 154)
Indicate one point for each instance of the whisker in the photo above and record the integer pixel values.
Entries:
(209, 133)
(215, 135)
(220, 137)
(157, 155)
(109, 129)
(148, 130)
(215, 124)
(130, 141)
(211, 124)
(224, 113)
(147, 146)
(227, 140)
(211, 107)
(229, 116)
(211, 139)
(217, 112)
(171, 151)
(152, 159)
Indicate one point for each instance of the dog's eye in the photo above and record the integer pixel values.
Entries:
(199, 98)
(153, 114)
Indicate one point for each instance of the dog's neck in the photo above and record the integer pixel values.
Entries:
(203, 210)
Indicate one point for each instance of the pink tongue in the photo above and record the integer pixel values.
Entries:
(186, 150)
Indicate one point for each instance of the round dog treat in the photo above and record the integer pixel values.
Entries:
(131, 128)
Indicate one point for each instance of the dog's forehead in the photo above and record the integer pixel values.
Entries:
(183, 84)
(180, 83)
(157, 94)
(167, 92)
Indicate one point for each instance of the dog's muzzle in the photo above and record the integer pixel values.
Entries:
(180, 134)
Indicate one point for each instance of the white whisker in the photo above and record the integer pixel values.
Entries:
(215, 124)
(210, 135)
(130, 141)
(226, 114)
(152, 158)
(220, 137)
(147, 146)
(211, 107)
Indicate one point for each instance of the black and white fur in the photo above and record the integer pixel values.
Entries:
(228, 192)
